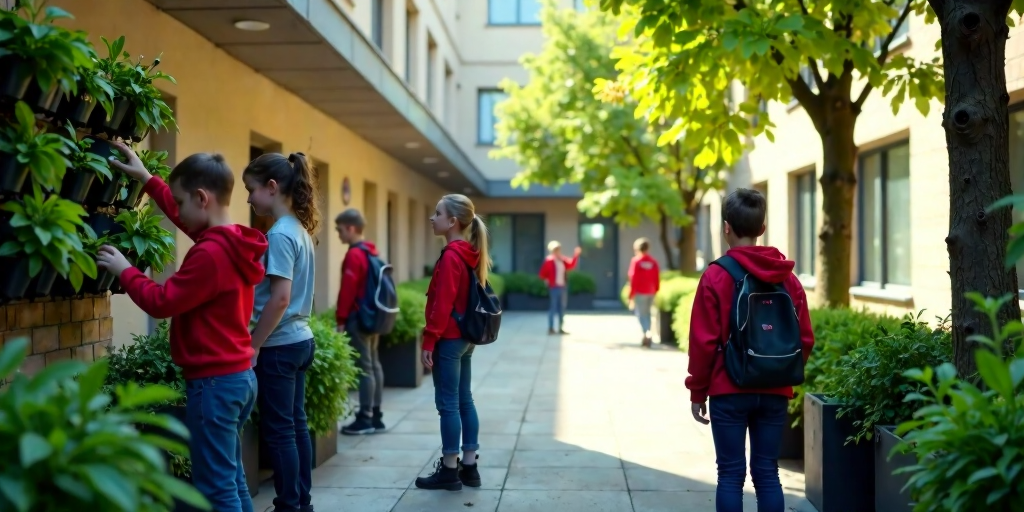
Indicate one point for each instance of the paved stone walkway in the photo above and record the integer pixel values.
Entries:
(584, 422)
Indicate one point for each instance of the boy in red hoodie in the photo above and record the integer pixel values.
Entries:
(734, 410)
(354, 270)
(554, 271)
(644, 282)
(210, 301)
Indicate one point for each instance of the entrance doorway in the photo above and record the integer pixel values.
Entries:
(599, 239)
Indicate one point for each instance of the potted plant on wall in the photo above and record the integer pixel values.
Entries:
(144, 242)
(93, 90)
(23, 146)
(148, 109)
(328, 382)
(130, 189)
(114, 69)
(46, 243)
(400, 350)
(85, 168)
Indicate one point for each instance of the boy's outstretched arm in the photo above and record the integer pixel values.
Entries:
(706, 335)
(151, 185)
(189, 287)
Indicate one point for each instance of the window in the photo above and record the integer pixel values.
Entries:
(901, 35)
(431, 69)
(513, 12)
(411, 35)
(806, 222)
(486, 118)
(885, 216)
(377, 29)
(703, 232)
(1017, 173)
(449, 94)
(516, 242)
(763, 189)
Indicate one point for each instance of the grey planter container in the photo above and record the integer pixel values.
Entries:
(838, 477)
(580, 302)
(792, 440)
(524, 302)
(666, 336)
(888, 495)
(403, 365)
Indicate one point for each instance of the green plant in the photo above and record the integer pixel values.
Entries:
(681, 321)
(53, 54)
(665, 275)
(43, 153)
(81, 159)
(153, 161)
(497, 282)
(528, 284)
(68, 445)
(134, 82)
(871, 385)
(411, 319)
(148, 244)
(331, 376)
(47, 230)
(969, 441)
(146, 361)
(580, 282)
(93, 82)
(673, 290)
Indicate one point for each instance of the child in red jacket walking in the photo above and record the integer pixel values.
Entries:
(734, 410)
(644, 282)
(210, 301)
(444, 348)
(553, 271)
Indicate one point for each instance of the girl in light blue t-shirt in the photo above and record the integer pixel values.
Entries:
(285, 188)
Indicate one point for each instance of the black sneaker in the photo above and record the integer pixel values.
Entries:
(469, 474)
(443, 477)
(378, 425)
(362, 426)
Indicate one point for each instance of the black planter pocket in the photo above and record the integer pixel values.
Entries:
(44, 281)
(78, 110)
(12, 173)
(76, 184)
(99, 119)
(15, 77)
(838, 477)
(889, 494)
(14, 278)
(132, 196)
(47, 101)
(104, 224)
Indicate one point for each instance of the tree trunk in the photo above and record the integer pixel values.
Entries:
(687, 244)
(838, 186)
(976, 121)
(666, 241)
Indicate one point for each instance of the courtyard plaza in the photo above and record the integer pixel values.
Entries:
(587, 421)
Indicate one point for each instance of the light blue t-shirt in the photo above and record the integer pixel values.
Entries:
(289, 255)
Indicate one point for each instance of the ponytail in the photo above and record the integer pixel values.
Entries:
(296, 177)
(478, 239)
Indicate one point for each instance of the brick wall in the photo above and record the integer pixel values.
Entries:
(59, 329)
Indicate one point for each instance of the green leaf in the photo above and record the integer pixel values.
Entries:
(14, 352)
(995, 373)
(33, 448)
(149, 395)
(112, 484)
(1017, 372)
(16, 493)
(982, 474)
(182, 491)
(790, 23)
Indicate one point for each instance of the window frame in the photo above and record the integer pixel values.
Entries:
(377, 24)
(513, 217)
(518, 22)
(799, 178)
(883, 172)
(480, 93)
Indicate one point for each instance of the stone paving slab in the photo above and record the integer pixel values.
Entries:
(587, 422)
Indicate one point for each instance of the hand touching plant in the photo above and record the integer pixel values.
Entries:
(132, 166)
(110, 259)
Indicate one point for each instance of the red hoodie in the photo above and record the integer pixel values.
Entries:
(644, 278)
(353, 280)
(709, 324)
(548, 272)
(209, 299)
(448, 290)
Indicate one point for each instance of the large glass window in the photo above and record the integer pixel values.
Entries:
(516, 242)
(377, 30)
(486, 118)
(763, 189)
(513, 12)
(806, 222)
(1017, 174)
(885, 216)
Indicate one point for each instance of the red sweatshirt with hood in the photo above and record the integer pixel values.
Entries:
(644, 275)
(354, 269)
(549, 273)
(448, 291)
(209, 299)
(709, 322)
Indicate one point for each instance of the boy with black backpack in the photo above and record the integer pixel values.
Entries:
(367, 307)
(750, 335)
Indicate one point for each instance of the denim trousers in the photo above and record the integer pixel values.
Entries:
(642, 304)
(281, 371)
(215, 411)
(765, 417)
(371, 380)
(452, 380)
(556, 306)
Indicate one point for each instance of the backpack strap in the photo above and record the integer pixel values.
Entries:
(733, 267)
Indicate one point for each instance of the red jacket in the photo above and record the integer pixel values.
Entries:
(644, 276)
(709, 324)
(209, 299)
(354, 269)
(448, 290)
(547, 269)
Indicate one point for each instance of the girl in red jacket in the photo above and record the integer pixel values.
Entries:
(444, 350)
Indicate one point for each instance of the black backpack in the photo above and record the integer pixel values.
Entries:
(764, 348)
(378, 309)
(482, 320)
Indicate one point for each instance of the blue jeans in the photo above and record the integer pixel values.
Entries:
(215, 411)
(642, 304)
(556, 306)
(731, 416)
(281, 372)
(452, 379)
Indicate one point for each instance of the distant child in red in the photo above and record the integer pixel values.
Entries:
(210, 301)
(553, 271)
(734, 410)
(644, 281)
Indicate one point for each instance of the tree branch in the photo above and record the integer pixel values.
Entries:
(803, 7)
(883, 55)
(636, 152)
(817, 74)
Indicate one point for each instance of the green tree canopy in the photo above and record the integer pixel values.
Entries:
(559, 130)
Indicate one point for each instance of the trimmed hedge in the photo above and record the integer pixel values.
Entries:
(533, 285)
